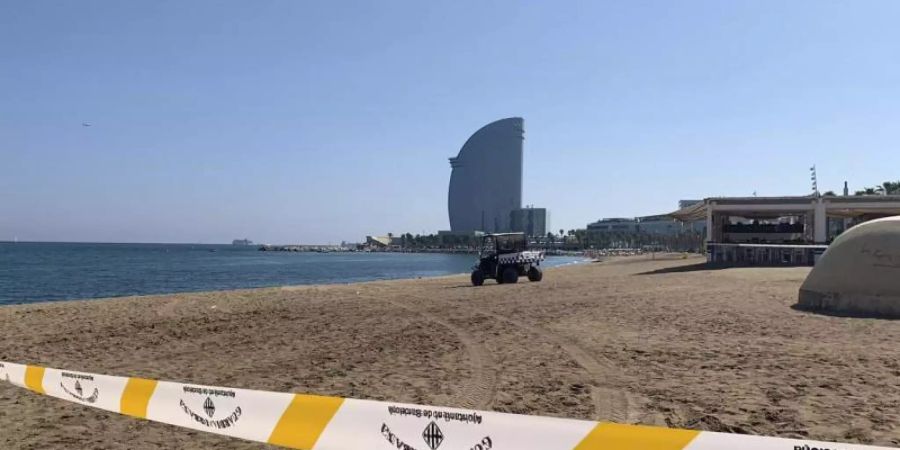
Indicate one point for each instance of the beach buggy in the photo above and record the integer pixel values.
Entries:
(505, 257)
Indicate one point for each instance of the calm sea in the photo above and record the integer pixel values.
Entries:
(31, 272)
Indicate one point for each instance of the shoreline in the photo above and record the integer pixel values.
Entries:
(318, 283)
(631, 340)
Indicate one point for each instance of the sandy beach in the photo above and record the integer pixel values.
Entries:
(661, 342)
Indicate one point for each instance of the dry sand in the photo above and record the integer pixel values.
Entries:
(630, 340)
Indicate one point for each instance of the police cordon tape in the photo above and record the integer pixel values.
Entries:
(316, 422)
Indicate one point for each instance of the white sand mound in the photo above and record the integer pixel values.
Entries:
(859, 274)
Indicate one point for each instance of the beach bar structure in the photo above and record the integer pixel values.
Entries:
(781, 230)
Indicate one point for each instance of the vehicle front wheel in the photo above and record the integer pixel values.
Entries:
(510, 275)
(477, 277)
(535, 274)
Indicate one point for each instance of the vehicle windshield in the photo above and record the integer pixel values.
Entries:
(510, 243)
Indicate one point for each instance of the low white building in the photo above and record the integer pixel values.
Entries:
(789, 230)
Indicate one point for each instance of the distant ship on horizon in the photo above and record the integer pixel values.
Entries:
(242, 242)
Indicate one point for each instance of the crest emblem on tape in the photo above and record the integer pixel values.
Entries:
(209, 407)
(206, 413)
(433, 436)
(77, 390)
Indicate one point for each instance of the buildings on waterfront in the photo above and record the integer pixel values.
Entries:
(381, 241)
(486, 178)
(781, 230)
(447, 237)
(800, 219)
(529, 220)
(485, 192)
(660, 224)
(612, 225)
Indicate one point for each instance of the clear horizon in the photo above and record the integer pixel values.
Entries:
(288, 122)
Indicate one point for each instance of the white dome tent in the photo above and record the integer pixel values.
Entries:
(859, 274)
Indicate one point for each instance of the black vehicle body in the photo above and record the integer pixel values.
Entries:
(505, 257)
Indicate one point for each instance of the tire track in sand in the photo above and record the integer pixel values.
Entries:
(479, 392)
(610, 404)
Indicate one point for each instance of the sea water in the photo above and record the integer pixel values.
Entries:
(31, 271)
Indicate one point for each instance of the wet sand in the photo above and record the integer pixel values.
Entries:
(662, 342)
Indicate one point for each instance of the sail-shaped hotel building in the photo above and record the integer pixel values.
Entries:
(486, 179)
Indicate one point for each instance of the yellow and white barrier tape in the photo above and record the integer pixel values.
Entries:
(316, 422)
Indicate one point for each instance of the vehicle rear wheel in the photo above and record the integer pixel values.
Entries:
(535, 274)
(510, 275)
(477, 277)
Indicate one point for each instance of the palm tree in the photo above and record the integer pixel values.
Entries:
(886, 188)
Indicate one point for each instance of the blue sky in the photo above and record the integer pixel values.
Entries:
(298, 121)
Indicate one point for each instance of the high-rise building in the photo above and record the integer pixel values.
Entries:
(486, 179)
(529, 220)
